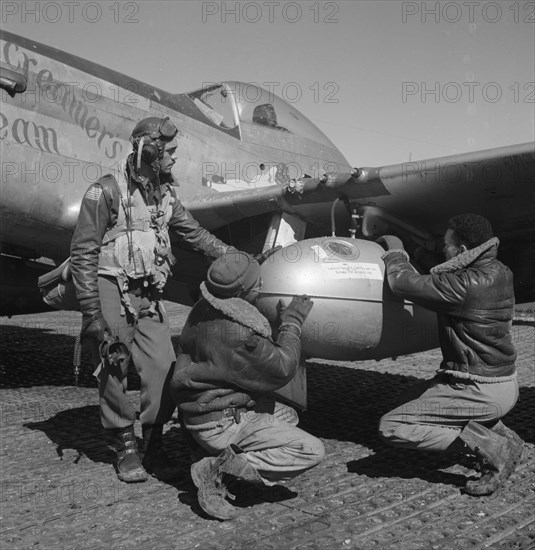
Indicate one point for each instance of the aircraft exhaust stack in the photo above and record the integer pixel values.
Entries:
(355, 315)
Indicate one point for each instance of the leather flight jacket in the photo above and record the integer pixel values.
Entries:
(99, 214)
(227, 365)
(473, 297)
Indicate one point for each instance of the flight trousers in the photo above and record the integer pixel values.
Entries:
(269, 435)
(147, 335)
(435, 411)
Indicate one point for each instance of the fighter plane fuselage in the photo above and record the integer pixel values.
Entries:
(73, 122)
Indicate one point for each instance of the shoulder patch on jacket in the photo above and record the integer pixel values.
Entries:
(110, 190)
(94, 192)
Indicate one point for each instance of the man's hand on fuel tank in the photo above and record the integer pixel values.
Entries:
(297, 311)
(95, 327)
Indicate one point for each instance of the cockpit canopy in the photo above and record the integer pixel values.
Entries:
(229, 105)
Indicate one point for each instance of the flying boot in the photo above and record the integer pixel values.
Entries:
(497, 454)
(155, 459)
(207, 474)
(129, 467)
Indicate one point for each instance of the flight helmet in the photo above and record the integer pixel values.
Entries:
(149, 137)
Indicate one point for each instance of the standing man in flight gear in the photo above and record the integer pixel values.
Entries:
(459, 410)
(121, 258)
(222, 384)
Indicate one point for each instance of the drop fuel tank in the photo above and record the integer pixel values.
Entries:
(355, 314)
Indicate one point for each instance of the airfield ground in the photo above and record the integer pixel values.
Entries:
(59, 490)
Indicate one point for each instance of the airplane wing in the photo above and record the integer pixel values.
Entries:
(294, 197)
(497, 183)
(412, 199)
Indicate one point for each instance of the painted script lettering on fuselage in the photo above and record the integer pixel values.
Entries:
(64, 96)
(29, 133)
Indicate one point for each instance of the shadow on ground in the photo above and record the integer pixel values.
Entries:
(345, 404)
(43, 357)
(79, 429)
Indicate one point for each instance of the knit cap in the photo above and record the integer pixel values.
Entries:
(232, 274)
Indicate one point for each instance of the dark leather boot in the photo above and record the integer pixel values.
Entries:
(129, 467)
(207, 474)
(155, 459)
(497, 454)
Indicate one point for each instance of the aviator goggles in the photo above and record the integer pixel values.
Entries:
(166, 130)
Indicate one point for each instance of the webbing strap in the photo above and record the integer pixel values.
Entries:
(144, 224)
(117, 231)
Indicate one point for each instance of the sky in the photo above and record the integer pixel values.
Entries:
(386, 81)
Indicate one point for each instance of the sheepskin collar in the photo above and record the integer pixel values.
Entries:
(240, 311)
(466, 258)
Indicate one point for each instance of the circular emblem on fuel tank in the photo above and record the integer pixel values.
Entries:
(343, 249)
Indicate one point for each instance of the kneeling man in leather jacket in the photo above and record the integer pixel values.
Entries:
(476, 385)
(222, 382)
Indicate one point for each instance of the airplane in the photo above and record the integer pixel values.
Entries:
(257, 173)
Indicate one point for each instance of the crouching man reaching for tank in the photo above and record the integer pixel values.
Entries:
(222, 384)
(460, 408)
